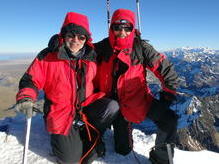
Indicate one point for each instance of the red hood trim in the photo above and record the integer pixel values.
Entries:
(123, 14)
(78, 19)
(125, 43)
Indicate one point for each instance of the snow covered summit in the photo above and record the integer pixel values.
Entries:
(11, 147)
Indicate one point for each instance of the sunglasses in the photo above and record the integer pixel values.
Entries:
(73, 35)
(120, 27)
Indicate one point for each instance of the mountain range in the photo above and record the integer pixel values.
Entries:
(198, 101)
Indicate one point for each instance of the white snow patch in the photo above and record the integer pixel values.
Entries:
(11, 149)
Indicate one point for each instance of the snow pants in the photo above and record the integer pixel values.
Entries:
(166, 121)
(69, 149)
(122, 135)
(164, 118)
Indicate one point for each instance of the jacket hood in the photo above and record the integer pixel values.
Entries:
(127, 42)
(121, 14)
(78, 21)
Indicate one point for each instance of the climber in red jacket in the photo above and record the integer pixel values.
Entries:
(123, 60)
(74, 114)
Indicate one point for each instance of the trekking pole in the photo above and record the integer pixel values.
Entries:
(169, 151)
(27, 137)
(108, 13)
(35, 109)
(138, 15)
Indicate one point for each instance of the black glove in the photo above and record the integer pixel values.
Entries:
(53, 44)
(167, 98)
(168, 121)
(25, 106)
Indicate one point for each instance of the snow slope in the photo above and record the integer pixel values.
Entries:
(11, 146)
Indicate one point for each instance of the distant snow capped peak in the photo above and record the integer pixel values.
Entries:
(204, 50)
(202, 54)
(198, 68)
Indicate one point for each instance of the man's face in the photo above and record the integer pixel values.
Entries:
(75, 41)
(122, 30)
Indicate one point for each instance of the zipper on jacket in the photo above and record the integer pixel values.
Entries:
(73, 86)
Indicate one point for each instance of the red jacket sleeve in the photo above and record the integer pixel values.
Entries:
(32, 81)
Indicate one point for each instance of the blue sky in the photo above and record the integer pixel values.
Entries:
(27, 25)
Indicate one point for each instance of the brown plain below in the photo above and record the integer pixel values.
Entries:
(10, 75)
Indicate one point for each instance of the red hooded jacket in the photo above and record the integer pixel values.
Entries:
(57, 75)
(134, 56)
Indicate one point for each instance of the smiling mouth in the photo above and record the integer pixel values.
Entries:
(121, 36)
(74, 44)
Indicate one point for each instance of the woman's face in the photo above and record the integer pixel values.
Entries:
(75, 42)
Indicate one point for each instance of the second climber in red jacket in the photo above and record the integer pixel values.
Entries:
(123, 61)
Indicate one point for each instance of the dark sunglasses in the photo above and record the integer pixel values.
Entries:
(120, 27)
(73, 35)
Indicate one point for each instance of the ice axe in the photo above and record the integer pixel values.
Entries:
(33, 110)
(27, 137)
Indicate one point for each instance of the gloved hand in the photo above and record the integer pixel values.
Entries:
(25, 106)
(167, 98)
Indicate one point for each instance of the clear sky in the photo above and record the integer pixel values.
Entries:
(27, 25)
